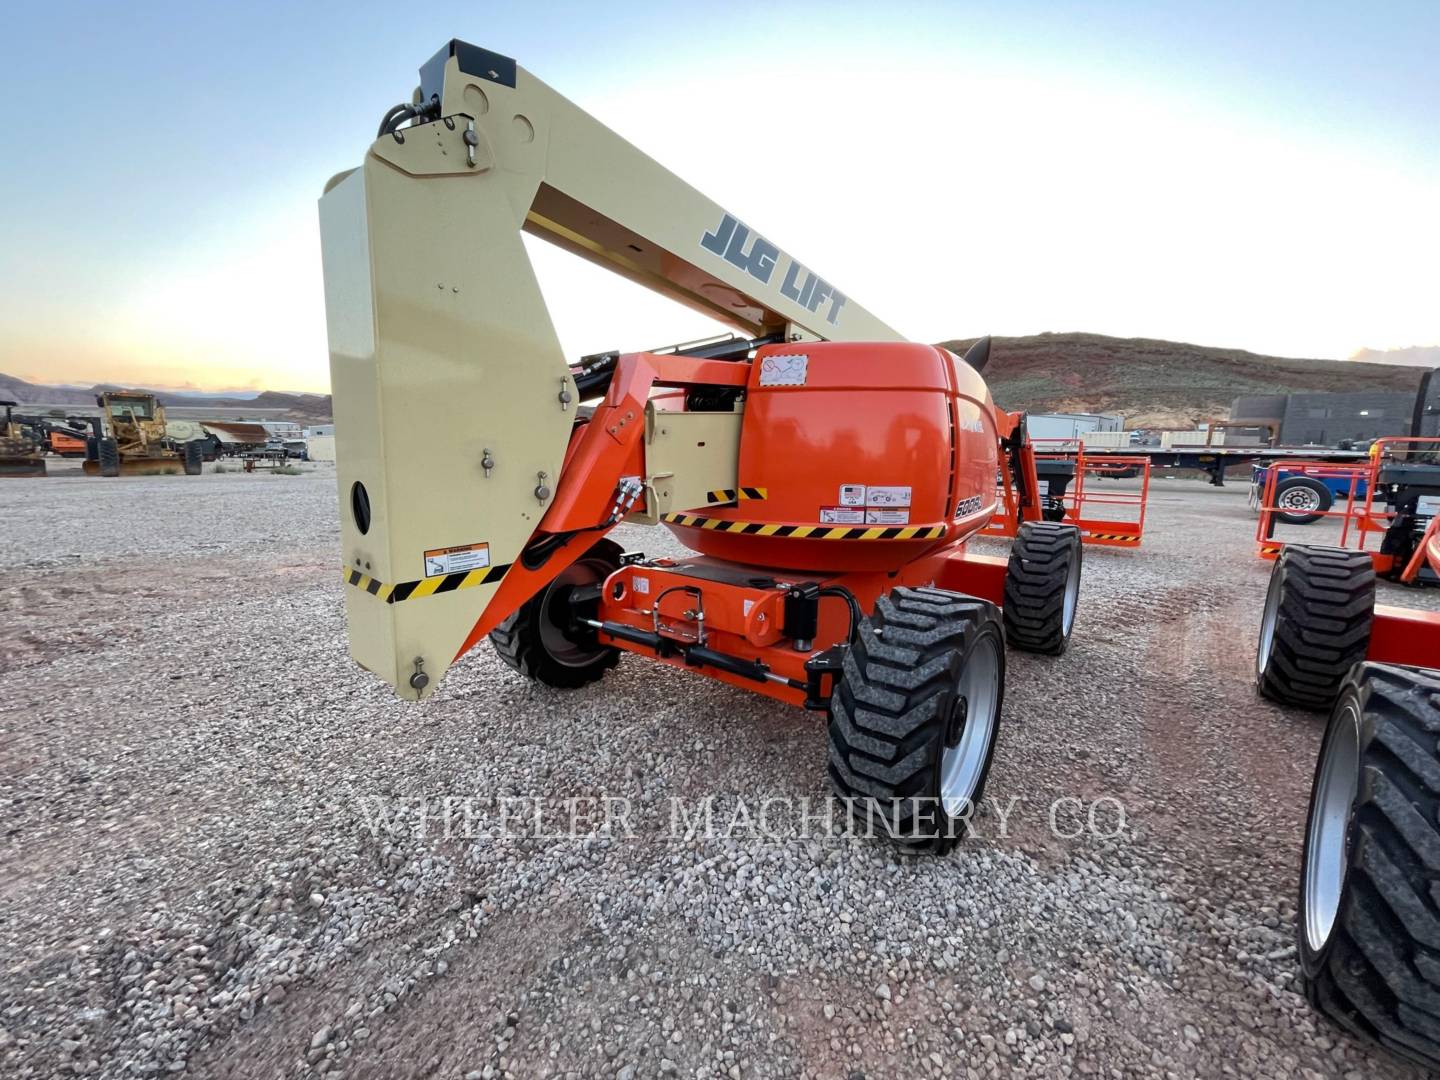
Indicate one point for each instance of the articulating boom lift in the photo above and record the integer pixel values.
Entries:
(821, 466)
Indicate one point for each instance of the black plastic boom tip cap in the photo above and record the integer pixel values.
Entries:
(978, 355)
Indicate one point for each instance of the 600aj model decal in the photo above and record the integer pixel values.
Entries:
(733, 241)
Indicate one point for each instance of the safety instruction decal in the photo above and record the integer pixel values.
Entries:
(882, 516)
(887, 495)
(789, 369)
(842, 515)
(456, 560)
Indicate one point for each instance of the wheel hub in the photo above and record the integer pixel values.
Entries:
(977, 706)
(958, 711)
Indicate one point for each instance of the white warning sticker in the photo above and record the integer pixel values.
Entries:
(640, 584)
(456, 560)
(842, 515)
(876, 516)
(788, 369)
(887, 495)
(852, 494)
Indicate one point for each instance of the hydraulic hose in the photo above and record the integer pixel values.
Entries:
(850, 602)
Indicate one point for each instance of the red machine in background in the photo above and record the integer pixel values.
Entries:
(1369, 912)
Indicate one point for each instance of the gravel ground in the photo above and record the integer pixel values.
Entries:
(226, 853)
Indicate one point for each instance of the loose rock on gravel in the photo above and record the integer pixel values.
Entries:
(230, 852)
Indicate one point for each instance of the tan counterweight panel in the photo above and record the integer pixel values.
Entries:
(446, 370)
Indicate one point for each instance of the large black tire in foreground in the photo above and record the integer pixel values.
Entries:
(542, 641)
(914, 715)
(1316, 625)
(194, 457)
(1042, 586)
(1369, 918)
(109, 455)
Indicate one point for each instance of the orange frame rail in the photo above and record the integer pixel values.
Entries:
(1359, 519)
(1099, 531)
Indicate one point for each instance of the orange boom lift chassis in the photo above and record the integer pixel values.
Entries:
(827, 474)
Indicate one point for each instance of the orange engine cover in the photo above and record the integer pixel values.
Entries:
(867, 455)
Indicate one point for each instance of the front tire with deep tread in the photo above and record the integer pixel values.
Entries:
(194, 457)
(537, 640)
(896, 721)
(1042, 587)
(1316, 625)
(108, 453)
(1375, 971)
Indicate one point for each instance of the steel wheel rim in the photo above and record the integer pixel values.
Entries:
(1267, 624)
(963, 764)
(557, 643)
(1300, 498)
(1072, 600)
(1326, 842)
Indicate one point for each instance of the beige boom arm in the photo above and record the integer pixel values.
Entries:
(452, 396)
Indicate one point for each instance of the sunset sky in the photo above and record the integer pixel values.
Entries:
(1262, 176)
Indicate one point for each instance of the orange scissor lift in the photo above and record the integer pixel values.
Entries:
(1076, 505)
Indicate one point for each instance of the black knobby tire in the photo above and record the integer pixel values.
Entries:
(896, 709)
(92, 452)
(540, 641)
(194, 457)
(1316, 624)
(1042, 587)
(108, 454)
(1310, 498)
(1371, 962)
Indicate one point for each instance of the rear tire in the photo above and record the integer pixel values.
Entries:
(1369, 920)
(914, 716)
(109, 457)
(1301, 500)
(1316, 625)
(1042, 587)
(194, 457)
(541, 642)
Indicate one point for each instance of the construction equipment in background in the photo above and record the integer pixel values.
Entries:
(21, 453)
(132, 439)
(1369, 912)
(828, 473)
(1384, 505)
(1066, 469)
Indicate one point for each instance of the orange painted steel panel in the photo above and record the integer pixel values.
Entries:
(1403, 636)
(888, 435)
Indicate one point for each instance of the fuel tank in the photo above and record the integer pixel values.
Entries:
(853, 456)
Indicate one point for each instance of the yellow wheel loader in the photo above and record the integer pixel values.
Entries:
(132, 441)
(20, 453)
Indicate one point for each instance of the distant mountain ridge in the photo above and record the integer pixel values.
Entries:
(1156, 383)
(302, 408)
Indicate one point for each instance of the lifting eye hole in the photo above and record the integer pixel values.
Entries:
(360, 507)
(617, 590)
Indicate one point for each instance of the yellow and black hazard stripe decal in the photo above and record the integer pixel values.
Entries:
(744, 494)
(1112, 536)
(431, 586)
(809, 532)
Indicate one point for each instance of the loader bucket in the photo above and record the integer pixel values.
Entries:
(141, 467)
